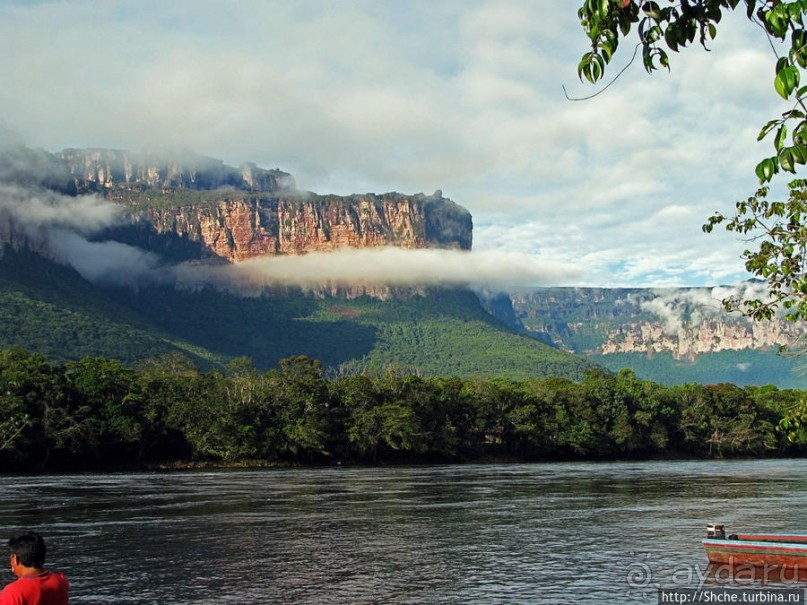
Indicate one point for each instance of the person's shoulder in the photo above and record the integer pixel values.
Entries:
(56, 577)
(12, 593)
(11, 587)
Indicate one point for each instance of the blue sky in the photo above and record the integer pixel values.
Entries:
(412, 96)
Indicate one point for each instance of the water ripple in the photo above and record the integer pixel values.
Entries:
(542, 533)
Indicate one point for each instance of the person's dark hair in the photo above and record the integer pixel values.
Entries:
(29, 548)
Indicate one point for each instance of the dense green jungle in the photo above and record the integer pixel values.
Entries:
(49, 309)
(97, 413)
(107, 378)
(153, 374)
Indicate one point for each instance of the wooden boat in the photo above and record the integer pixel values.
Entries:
(783, 551)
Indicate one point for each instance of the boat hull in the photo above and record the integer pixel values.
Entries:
(786, 552)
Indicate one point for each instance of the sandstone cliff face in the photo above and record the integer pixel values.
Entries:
(238, 229)
(235, 213)
(595, 321)
(707, 337)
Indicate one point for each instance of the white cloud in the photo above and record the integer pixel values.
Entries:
(679, 308)
(59, 226)
(34, 212)
(63, 227)
(395, 267)
(107, 262)
(461, 95)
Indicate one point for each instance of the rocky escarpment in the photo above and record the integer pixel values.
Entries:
(202, 206)
(689, 341)
(685, 322)
(104, 169)
(236, 229)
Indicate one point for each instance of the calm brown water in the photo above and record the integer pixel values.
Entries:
(536, 533)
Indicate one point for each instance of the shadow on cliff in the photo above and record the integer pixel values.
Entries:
(171, 247)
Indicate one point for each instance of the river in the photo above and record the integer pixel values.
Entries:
(516, 533)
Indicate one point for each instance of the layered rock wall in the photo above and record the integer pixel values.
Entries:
(238, 229)
(234, 213)
(685, 322)
(707, 337)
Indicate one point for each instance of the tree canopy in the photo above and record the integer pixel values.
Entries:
(776, 230)
(96, 413)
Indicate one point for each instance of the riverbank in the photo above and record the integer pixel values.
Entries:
(98, 414)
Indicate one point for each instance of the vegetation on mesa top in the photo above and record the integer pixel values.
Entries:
(155, 198)
(171, 198)
(97, 413)
(146, 180)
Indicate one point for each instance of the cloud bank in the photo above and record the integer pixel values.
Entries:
(37, 212)
(461, 95)
(396, 267)
(678, 308)
(67, 228)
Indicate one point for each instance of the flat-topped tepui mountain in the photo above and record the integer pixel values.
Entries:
(63, 215)
(151, 211)
(238, 213)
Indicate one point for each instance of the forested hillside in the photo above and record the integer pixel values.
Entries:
(50, 309)
(129, 256)
(98, 413)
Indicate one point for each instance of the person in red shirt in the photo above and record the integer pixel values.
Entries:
(35, 585)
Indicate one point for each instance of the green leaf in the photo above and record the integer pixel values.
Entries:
(652, 10)
(647, 59)
(800, 133)
(671, 37)
(590, 67)
(799, 153)
(798, 52)
(654, 34)
(787, 78)
(776, 22)
(607, 51)
(766, 129)
(781, 135)
(759, 172)
(786, 160)
(765, 170)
